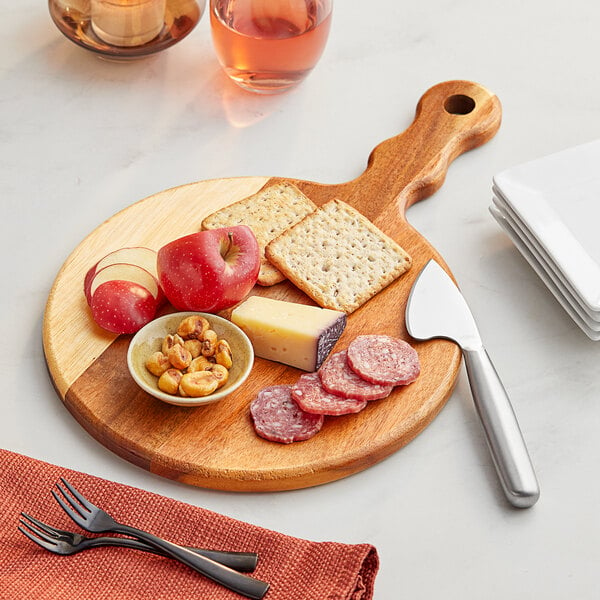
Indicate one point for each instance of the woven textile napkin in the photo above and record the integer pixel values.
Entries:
(297, 569)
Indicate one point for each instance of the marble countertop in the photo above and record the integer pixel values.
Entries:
(82, 138)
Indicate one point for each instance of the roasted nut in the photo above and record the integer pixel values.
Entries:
(209, 343)
(199, 383)
(179, 357)
(200, 363)
(157, 364)
(170, 341)
(169, 381)
(194, 362)
(221, 374)
(194, 347)
(192, 327)
(223, 354)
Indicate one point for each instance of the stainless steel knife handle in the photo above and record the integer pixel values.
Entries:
(502, 431)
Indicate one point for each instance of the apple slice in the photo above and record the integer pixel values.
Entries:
(122, 306)
(125, 272)
(136, 255)
(123, 297)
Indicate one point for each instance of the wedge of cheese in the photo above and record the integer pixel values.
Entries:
(294, 334)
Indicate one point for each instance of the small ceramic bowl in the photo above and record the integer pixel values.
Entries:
(149, 340)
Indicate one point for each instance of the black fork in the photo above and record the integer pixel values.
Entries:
(91, 518)
(66, 543)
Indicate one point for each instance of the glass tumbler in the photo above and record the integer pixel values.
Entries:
(125, 29)
(269, 46)
(127, 22)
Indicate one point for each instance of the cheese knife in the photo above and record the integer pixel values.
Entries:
(437, 309)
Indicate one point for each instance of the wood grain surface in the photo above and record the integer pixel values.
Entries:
(215, 446)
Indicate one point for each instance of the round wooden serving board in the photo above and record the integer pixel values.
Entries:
(215, 446)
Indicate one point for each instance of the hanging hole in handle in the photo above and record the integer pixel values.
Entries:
(459, 104)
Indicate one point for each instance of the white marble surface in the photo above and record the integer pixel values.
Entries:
(81, 138)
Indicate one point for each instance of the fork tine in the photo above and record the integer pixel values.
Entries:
(80, 498)
(29, 532)
(75, 512)
(34, 530)
(38, 525)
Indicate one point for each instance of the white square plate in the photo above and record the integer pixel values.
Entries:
(558, 198)
(542, 257)
(552, 282)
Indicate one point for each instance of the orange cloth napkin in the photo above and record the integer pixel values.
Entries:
(297, 569)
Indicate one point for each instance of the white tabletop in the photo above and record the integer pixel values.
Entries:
(82, 138)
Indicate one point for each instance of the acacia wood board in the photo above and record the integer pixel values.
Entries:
(215, 445)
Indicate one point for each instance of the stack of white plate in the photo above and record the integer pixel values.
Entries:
(550, 208)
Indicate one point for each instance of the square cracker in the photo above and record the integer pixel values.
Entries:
(268, 213)
(338, 257)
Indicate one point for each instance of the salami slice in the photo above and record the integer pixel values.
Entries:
(383, 359)
(338, 378)
(278, 418)
(312, 397)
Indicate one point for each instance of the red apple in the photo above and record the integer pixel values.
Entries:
(136, 255)
(122, 306)
(209, 270)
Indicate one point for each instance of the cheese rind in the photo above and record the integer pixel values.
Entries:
(294, 334)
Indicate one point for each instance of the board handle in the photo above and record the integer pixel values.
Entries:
(451, 118)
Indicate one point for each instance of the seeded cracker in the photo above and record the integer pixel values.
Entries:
(338, 257)
(268, 213)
